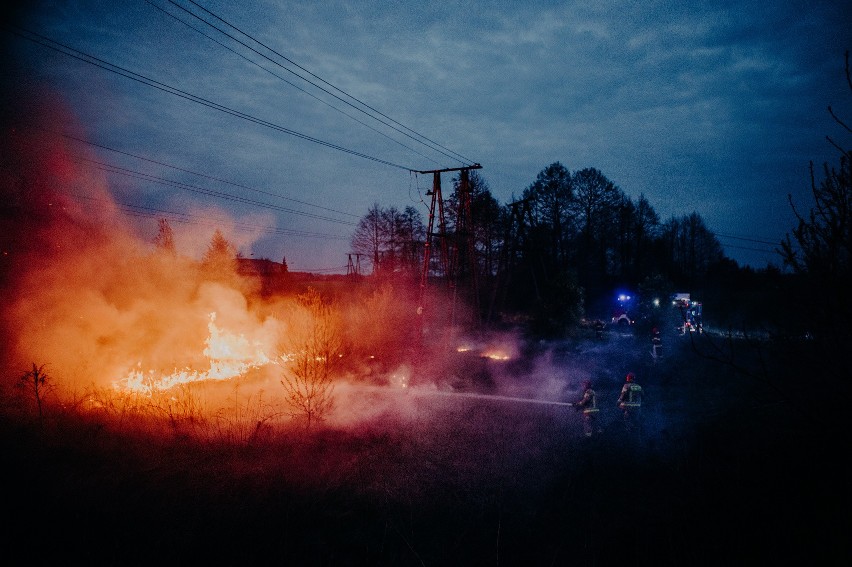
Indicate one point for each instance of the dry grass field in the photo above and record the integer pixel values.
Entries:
(724, 472)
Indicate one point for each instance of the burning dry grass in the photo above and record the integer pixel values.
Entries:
(149, 338)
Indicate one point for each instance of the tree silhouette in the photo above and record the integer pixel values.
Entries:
(550, 196)
(595, 209)
(390, 238)
(692, 248)
(165, 239)
(820, 247)
(369, 236)
(220, 259)
(36, 384)
(312, 352)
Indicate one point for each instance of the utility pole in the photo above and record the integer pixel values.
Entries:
(448, 257)
(354, 269)
(464, 231)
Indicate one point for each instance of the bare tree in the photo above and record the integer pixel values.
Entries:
(36, 384)
(824, 236)
(390, 238)
(819, 251)
(820, 247)
(312, 355)
(369, 236)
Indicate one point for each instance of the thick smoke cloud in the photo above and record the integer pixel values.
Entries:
(85, 291)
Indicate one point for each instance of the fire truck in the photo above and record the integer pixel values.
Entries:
(622, 313)
(690, 318)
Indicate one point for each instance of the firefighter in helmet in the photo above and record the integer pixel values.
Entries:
(589, 404)
(630, 402)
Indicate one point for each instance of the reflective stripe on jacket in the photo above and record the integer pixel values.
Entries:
(589, 403)
(631, 395)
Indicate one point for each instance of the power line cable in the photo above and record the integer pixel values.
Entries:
(320, 270)
(285, 80)
(717, 234)
(202, 175)
(746, 239)
(212, 178)
(195, 219)
(128, 210)
(756, 240)
(86, 58)
(458, 157)
(765, 251)
(200, 190)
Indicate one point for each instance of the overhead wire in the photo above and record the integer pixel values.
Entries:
(758, 241)
(198, 174)
(196, 219)
(414, 174)
(322, 270)
(282, 78)
(774, 251)
(84, 57)
(140, 175)
(141, 211)
(52, 44)
(765, 251)
(200, 190)
(417, 136)
(210, 177)
(97, 62)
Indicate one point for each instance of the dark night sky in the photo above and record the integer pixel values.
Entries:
(714, 107)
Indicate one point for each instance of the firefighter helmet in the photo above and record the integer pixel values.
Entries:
(630, 376)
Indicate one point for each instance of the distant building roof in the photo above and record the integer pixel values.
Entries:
(259, 267)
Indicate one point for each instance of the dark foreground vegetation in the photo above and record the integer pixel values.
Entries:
(729, 469)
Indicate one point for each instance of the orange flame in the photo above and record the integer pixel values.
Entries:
(230, 356)
(496, 355)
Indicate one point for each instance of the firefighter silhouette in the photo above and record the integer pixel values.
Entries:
(630, 402)
(588, 403)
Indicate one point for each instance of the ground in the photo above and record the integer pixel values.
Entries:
(724, 472)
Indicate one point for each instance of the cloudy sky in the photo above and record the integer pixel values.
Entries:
(283, 122)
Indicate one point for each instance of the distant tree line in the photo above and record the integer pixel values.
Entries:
(570, 235)
(390, 240)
